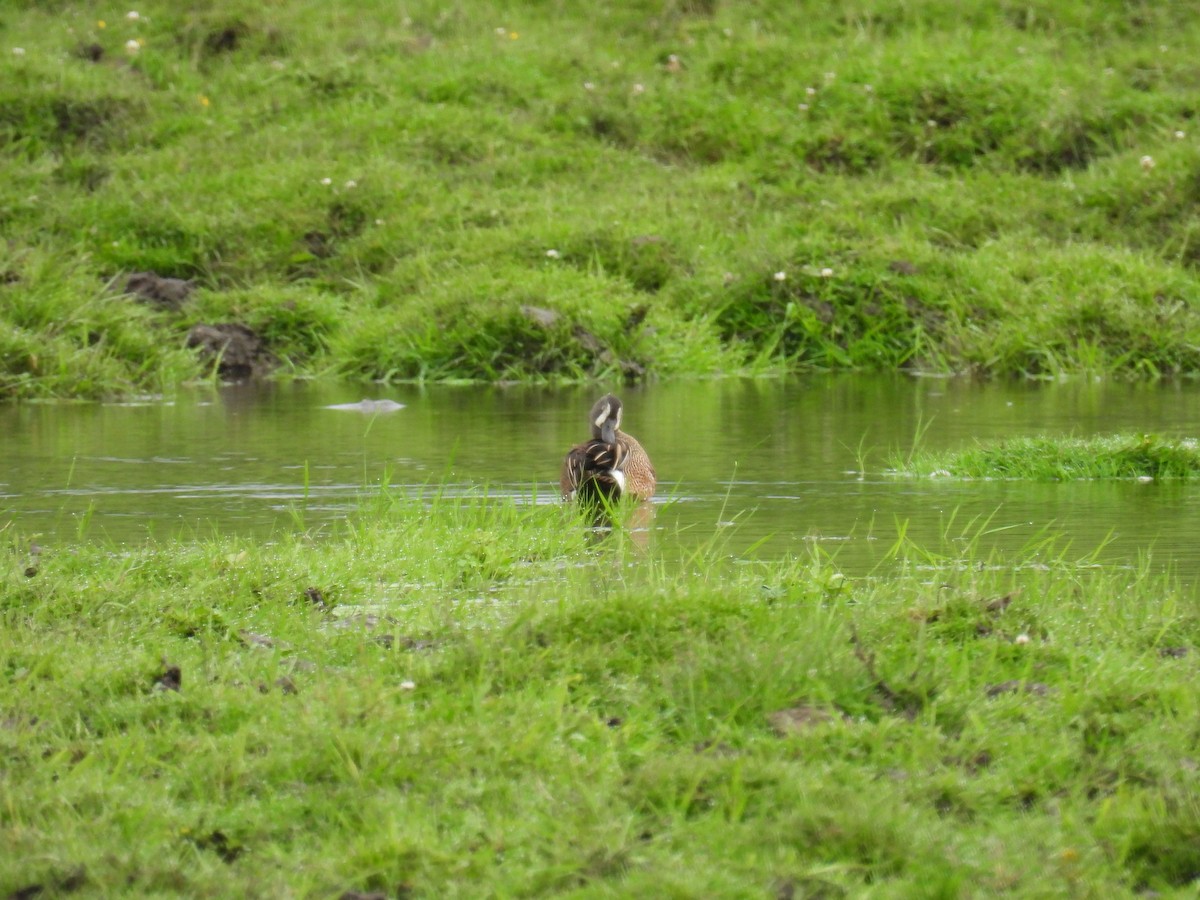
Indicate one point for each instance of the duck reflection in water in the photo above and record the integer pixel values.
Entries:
(609, 467)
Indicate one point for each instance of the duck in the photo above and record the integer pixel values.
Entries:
(611, 465)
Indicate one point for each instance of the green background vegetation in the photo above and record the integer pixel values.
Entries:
(970, 173)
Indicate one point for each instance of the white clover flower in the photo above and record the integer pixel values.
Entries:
(868, 88)
(132, 46)
(501, 30)
(638, 88)
(18, 51)
(829, 76)
(673, 64)
(780, 276)
(803, 107)
(351, 183)
(326, 181)
(1147, 163)
(1021, 639)
(589, 86)
(1180, 135)
(408, 685)
(810, 91)
(827, 272)
(552, 254)
(132, 15)
(379, 221)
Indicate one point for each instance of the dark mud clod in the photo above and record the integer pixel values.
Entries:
(1173, 652)
(64, 884)
(1014, 686)
(237, 352)
(316, 598)
(219, 843)
(91, 52)
(171, 678)
(168, 293)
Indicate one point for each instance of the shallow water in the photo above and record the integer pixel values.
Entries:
(778, 459)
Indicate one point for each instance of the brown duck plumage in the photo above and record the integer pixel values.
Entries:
(611, 465)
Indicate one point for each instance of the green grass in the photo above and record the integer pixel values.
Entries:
(532, 713)
(1061, 459)
(377, 191)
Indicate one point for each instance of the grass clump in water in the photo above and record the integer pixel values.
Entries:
(1062, 459)
(460, 697)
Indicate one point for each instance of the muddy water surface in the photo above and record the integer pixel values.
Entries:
(793, 465)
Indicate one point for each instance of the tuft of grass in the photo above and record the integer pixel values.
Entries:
(1062, 459)
(446, 696)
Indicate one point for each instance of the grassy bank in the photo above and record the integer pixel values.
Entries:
(443, 191)
(1061, 459)
(476, 700)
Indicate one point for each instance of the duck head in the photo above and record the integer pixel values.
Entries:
(606, 419)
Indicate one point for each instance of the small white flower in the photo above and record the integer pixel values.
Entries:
(868, 88)
(780, 276)
(1162, 48)
(502, 31)
(810, 91)
(589, 86)
(1021, 639)
(132, 15)
(1147, 163)
(326, 181)
(278, 65)
(351, 183)
(18, 51)
(829, 76)
(827, 273)
(408, 685)
(673, 64)
(803, 107)
(638, 88)
(552, 254)
(930, 123)
(379, 221)
(132, 46)
(1180, 135)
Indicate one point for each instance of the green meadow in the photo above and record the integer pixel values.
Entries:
(464, 698)
(564, 191)
(476, 699)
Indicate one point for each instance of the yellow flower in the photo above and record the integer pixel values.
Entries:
(100, 24)
(512, 35)
(204, 101)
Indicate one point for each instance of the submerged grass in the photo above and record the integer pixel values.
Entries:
(651, 189)
(1062, 459)
(467, 699)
